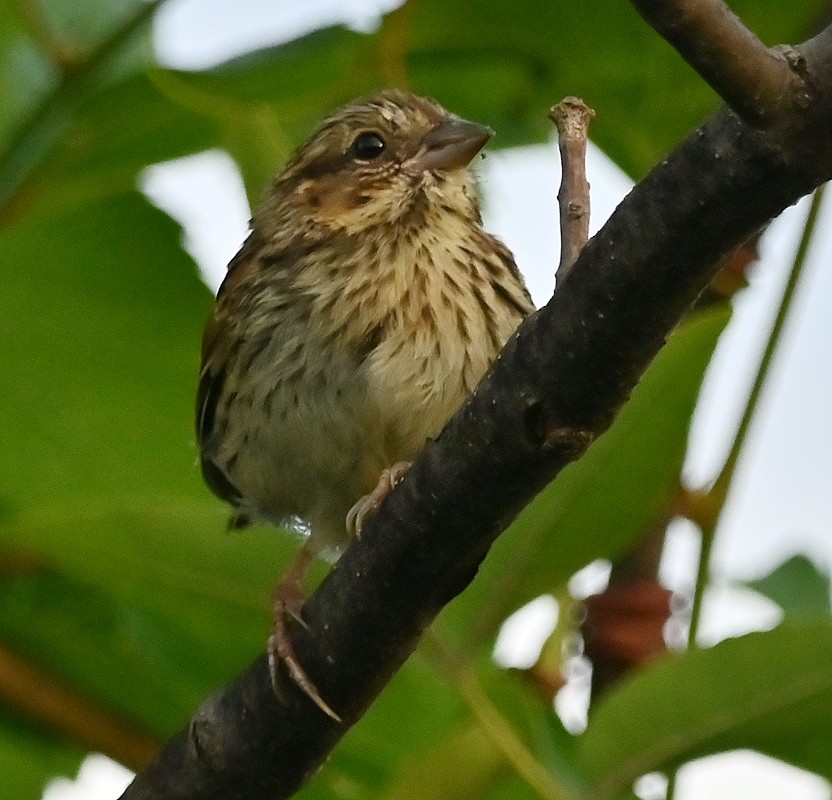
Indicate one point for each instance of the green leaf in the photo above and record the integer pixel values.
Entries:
(31, 758)
(769, 691)
(602, 503)
(418, 706)
(100, 318)
(798, 586)
(151, 661)
(464, 765)
(115, 133)
(152, 607)
(25, 73)
(137, 547)
(71, 57)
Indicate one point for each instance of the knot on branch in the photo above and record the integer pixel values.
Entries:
(570, 441)
(576, 210)
(796, 62)
(207, 737)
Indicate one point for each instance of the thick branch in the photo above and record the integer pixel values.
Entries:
(759, 84)
(557, 386)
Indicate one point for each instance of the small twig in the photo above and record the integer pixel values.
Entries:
(760, 85)
(572, 117)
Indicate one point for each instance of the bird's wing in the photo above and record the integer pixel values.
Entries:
(213, 373)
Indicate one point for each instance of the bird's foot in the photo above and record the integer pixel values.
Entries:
(288, 602)
(370, 503)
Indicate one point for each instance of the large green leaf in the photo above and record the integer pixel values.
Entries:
(100, 318)
(149, 661)
(101, 315)
(605, 501)
(138, 546)
(769, 691)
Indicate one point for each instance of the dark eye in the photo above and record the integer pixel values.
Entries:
(367, 146)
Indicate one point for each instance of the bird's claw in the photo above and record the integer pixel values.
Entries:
(370, 503)
(282, 651)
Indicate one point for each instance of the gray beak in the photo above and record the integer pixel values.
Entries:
(451, 145)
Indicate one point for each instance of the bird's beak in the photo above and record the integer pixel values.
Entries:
(450, 145)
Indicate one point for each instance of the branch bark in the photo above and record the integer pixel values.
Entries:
(556, 387)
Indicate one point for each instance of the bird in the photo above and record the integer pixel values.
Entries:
(362, 309)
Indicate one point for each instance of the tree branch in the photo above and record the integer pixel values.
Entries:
(556, 387)
(758, 83)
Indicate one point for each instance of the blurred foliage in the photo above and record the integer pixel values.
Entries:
(116, 575)
(798, 586)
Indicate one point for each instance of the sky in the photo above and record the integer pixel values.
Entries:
(781, 503)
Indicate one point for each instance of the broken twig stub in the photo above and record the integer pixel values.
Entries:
(572, 117)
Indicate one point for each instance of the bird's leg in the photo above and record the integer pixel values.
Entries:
(288, 603)
(289, 595)
(369, 504)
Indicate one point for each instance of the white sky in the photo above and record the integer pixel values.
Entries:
(781, 504)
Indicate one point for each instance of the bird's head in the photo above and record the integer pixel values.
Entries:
(382, 160)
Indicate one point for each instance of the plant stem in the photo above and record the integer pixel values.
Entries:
(37, 133)
(727, 473)
(506, 740)
(719, 491)
(499, 730)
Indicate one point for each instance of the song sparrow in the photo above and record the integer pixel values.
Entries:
(365, 305)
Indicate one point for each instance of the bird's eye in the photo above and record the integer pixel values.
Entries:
(367, 146)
